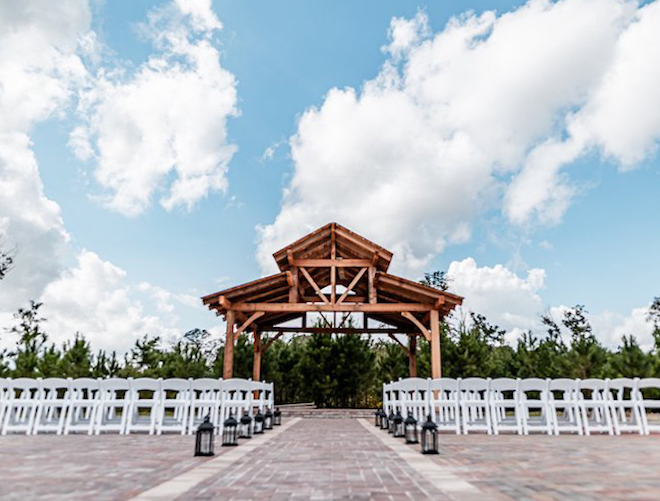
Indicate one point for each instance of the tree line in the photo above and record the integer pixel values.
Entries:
(342, 370)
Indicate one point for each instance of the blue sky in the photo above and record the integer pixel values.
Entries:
(513, 144)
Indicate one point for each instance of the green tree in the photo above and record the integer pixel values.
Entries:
(76, 358)
(586, 356)
(31, 342)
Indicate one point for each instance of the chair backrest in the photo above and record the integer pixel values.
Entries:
(592, 384)
(474, 384)
(241, 385)
(176, 384)
(562, 384)
(85, 383)
(533, 384)
(112, 387)
(444, 384)
(648, 382)
(145, 387)
(25, 388)
(55, 387)
(504, 384)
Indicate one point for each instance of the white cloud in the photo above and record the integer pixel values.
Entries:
(481, 116)
(96, 299)
(162, 130)
(506, 299)
(39, 71)
(42, 45)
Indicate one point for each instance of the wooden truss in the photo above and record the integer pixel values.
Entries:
(338, 271)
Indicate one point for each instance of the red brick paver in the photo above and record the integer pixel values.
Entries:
(333, 459)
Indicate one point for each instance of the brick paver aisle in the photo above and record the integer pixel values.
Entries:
(319, 459)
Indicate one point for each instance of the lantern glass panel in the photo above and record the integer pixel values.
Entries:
(277, 417)
(390, 420)
(384, 423)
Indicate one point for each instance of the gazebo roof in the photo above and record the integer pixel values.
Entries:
(333, 256)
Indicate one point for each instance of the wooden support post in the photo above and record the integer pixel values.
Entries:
(256, 359)
(293, 285)
(372, 285)
(412, 355)
(436, 362)
(228, 369)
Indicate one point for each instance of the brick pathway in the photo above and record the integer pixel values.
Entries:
(334, 459)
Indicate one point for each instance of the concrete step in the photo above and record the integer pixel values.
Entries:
(307, 412)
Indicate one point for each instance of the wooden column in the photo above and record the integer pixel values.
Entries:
(436, 363)
(228, 369)
(412, 355)
(372, 285)
(256, 359)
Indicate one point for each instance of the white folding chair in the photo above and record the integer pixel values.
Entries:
(504, 412)
(114, 405)
(236, 398)
(4, 397)
(533, 405)
(269, 398)
(22, 404)
(413, 394)
(474, 405)
(387, 397)
(444, 404)
(175, 405)
(625, 405)
(563, 406)
(648, 392)
(83, 405)
(205, 400)
(595, 407)
(259, 396)
(145, 400)
(55, 395)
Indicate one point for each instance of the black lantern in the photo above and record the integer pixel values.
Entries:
(398, 425)
(377, 418)
(429, 437)
(204, 439)
(390, 422)
(410, 426)
(268, 419)
(384, 424)
(277, 417)
(259, 423)
(230, 431)
(246, 426)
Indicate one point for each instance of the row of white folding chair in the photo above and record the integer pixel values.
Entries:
(556, 405)
(120, 405)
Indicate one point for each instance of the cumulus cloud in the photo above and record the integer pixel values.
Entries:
(507, 300)
(40, 70)
(96, 298)
(46, 52)
(161, 131)
(481, 116)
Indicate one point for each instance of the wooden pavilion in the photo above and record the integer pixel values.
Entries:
(332, 270)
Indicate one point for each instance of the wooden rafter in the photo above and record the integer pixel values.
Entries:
(403, 346)
(419, 324)
(247, 323)
(311, 281)
(355, 280)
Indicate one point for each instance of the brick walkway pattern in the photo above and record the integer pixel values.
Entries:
(334, 459)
